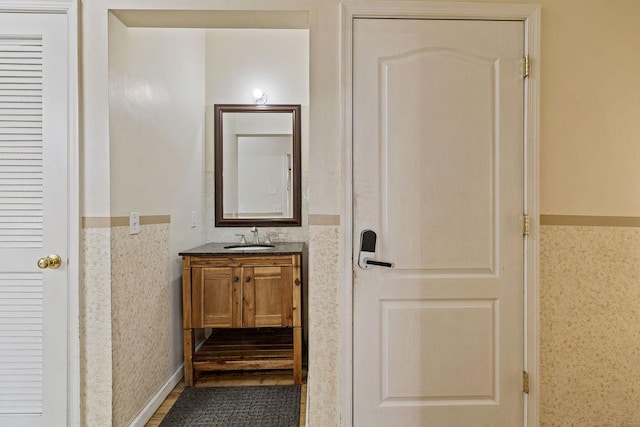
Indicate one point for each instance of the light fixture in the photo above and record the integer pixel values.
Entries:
(259, 96)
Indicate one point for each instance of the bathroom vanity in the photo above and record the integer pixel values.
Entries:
(251, 299)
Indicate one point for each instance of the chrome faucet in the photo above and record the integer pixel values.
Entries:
(256, 238)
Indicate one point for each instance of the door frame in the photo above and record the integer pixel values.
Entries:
(529, 14)
(70, 9)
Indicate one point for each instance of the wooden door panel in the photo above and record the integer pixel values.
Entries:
(214, 297)
(464, 328)
(452, 154)
(273, 296)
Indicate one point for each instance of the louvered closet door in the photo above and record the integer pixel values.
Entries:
(33, 219)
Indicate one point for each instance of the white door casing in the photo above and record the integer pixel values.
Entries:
(407, 387)
(38, 214)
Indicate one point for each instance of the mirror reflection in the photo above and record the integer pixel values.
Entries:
(257, 165)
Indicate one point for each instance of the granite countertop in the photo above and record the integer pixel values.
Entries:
(280, 248)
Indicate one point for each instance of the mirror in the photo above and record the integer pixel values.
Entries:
(257, 165)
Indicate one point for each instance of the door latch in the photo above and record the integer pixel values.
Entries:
(368, 251)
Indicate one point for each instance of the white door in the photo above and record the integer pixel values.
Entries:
(33, 219)
(438, 174)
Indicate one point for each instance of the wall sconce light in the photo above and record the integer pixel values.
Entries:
(259, 97)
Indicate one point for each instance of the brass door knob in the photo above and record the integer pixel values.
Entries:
(52, 261)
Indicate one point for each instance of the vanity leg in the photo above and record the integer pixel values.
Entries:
(297, 355)
(188, 335)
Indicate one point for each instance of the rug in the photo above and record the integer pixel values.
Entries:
(248, 406)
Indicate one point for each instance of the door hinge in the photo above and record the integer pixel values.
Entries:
(525, 381)
(526, 66)
(525, 225)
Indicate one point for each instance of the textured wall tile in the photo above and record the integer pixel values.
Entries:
(95, 328)
(142, 317)
(590, 326)
(324, 327)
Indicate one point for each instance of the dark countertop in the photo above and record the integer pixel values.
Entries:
(280, 248)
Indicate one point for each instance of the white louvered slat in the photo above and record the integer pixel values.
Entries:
(21, 118)
(19, 122)
(26, 67)
(35, 205)
(16, 233)
(11, 213)
(26, 180)
(33, 93)
(24, 112)
(23, 104)
(34, 180)
(29, 89)
(21, 342)
(18, 137)
(17, 219)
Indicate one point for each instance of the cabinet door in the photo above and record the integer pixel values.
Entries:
(216, 297)
(268, 296)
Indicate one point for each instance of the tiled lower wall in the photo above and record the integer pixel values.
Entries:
(323, 393)
(142, 317)
(590, 326)
(95, 328)
(125, 320)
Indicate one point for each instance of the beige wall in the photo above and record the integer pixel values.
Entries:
(590, 105)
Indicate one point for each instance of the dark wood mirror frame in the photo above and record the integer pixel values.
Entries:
(296, 219)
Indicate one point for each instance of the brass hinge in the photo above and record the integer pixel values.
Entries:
(525, 381)
(526, 66)
(525, 225)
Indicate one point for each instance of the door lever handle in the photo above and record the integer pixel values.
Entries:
(368, 251)
(378, 263)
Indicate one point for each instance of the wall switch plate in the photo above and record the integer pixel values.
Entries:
(134, 222)
(194, 219)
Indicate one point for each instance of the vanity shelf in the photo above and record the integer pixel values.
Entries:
(252, 302)
(246, 349)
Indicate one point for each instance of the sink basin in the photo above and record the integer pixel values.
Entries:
(249, 247)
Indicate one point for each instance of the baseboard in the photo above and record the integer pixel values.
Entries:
(147, 412)
(306, 409)
(150, 408)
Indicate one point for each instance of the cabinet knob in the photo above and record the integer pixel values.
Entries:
(247, 279)
(235, 279)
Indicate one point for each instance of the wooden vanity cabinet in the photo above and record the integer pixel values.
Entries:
(252, 303)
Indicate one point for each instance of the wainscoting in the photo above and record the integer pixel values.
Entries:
(590, 321)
